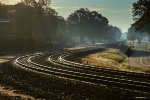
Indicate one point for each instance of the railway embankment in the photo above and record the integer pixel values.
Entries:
(56, 88)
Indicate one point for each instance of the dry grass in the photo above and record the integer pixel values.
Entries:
(8, 92)
(125, 67)
(74, 48)
(111, 58)
(77, 47)
(5, 58)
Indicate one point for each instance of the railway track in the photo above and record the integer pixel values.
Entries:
(102, 69)
(56, 64)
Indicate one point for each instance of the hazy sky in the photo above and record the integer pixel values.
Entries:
(117, 11)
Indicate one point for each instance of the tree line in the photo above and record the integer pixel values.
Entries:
(34, 25)
(141, 17)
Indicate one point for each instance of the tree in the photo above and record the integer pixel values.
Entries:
(84, 23)
(3, 24)
(50, 25)
(23, 20)
(39, 24)
(3, 11)
(141, 15)
(36, 3)
(113, 33)
(61, 30)
(131, 35)
(97, 25)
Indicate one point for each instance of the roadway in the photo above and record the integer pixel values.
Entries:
(141, 56)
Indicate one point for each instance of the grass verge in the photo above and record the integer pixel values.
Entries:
(112, 58)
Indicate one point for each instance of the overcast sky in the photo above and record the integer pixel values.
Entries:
(117, 11)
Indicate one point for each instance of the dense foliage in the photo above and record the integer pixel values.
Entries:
(141, 14)
(86, 25)
(3, 11)
(131, 35)
(32, 24)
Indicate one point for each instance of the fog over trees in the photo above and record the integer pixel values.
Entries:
(141, 16)
(33, 24)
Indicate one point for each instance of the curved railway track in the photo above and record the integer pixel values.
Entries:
(56, 64)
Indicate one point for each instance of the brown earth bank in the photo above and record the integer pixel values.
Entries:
(111, 58)
(52, 87)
